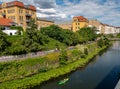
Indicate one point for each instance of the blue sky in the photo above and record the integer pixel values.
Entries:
(106, 11)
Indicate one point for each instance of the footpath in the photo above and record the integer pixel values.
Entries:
(29, 55)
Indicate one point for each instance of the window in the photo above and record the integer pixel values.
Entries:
(32, 13)
(20, 11)
(21, 18)
(27, 12)
(12, 17)
(11, 11)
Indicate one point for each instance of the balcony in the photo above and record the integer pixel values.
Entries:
(28, 15)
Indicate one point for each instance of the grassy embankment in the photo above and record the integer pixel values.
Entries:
(21, 69)
(16, 41)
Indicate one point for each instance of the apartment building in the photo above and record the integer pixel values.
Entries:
(117, 29)
(67, 26)
(43, 23)
(79, 22)
(102, 28)
(18, 12)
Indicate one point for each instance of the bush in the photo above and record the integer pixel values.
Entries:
(83, 55)
(100, 43)
(19, 28)
(85, 51)
(63, 57)
(103, 42)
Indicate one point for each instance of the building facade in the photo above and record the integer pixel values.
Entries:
(44, 23)
(118, 29)
(79, 22)
(67, 26)
(102, 28)
(18, 12)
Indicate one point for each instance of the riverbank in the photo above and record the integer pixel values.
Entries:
(37, 79)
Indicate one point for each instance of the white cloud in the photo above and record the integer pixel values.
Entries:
(107, 12)
(51, 10)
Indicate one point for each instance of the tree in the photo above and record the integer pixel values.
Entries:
(32, 25)
(33, 40)
(87, 34)
(63, 57)
(103, 41)
(19, 28)
(3, 42)
(65, 36)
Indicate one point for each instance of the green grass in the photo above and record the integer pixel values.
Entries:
(16, 41)
(52, 44)
(53, 73)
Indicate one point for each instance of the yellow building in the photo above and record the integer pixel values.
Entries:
(67, 26)
(18, 12)
(44, 23)
(79, 22)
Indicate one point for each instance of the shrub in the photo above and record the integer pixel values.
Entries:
(85, 51)
(83, 55)
(63, 57)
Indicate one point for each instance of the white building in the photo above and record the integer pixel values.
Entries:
(117, 29)
(10, 32)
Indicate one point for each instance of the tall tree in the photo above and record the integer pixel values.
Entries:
(3, 42)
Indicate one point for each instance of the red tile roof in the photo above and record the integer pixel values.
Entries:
(32, 7)
(19, 4)
(5, 22)
(81, 18)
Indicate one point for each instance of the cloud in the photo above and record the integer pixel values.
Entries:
(107, 11)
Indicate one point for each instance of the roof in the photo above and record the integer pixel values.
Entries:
(19, 4)
(117, 27)
(81, 18)
(5, 22)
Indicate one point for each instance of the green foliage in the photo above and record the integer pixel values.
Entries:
(32, 25)
(37, 79)
(76, 53)
(22, 44)
(118, 35)
(85, 51)
(103, 41)
(2, 27)
(87, 34)
(15, 50)
(4, 43)
(19, 28)
(83, 55)
(63, 57)
(33, 40)
(65, 36)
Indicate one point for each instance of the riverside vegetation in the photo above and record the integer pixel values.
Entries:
(33, 71)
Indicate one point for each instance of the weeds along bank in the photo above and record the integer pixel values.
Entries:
(31, 72)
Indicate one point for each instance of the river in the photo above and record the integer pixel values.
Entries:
(102, 73)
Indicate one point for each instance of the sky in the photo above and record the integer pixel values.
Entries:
(106, 11)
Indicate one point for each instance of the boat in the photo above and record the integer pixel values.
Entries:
(63, 81)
